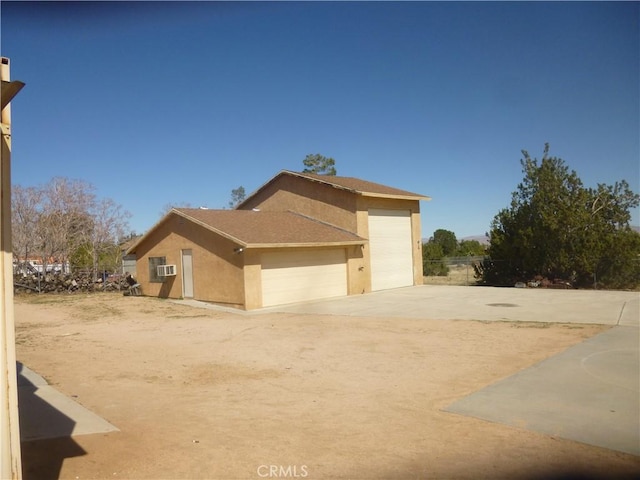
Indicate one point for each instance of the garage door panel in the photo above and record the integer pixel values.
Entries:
(296, 276)
(391, 248)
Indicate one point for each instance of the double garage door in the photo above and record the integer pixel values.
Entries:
(391, 248)
(301, 275)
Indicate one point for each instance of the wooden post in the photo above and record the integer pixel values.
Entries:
(10, 458)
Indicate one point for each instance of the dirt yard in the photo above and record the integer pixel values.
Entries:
(202, 394)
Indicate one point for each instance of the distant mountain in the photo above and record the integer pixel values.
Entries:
(482, 239)
(637, 229)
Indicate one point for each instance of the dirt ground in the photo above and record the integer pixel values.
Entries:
(202, 394)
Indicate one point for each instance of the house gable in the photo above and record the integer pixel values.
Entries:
(218, 277)
(316, 200)
(335, 200)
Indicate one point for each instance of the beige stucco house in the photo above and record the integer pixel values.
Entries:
(298, 237)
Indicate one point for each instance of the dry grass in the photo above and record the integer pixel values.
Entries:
(92, 306)
(458, 275)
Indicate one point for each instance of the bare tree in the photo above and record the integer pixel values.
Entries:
(66, 205)
(109, 223)
(25, 213)
(64, 219)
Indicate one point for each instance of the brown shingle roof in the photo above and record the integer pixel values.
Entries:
(269, 229)
(356, 185)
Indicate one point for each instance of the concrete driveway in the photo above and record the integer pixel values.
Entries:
(434, 302)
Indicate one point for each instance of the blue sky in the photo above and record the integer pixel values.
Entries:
(176, 103)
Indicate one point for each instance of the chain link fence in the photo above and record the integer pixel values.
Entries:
(452, 270)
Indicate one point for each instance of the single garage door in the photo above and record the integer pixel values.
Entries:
(390, 244)
(296, 276)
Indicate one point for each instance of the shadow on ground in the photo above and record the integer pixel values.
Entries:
(45, 432)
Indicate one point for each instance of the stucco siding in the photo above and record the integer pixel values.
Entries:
(323, 202)
(217, 270)
(157, 244)
(252, 279)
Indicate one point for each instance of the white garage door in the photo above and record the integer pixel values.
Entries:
(390, 244)
(296, 276)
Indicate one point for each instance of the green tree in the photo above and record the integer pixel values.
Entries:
(447, 240)
(557, 228)
(316, 163)
(470, 248)
(433, 259)
(237, 197)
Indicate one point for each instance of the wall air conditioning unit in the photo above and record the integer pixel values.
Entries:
(166, 270)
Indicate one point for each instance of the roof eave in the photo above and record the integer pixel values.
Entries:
(293, 174)
(408, 196)
(318, 180)
(132, 249)
(307, 244)
(395, 197)
(258, 190)
(334, 185)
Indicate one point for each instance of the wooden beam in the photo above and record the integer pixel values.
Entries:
(10, 456)
(10, 90)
